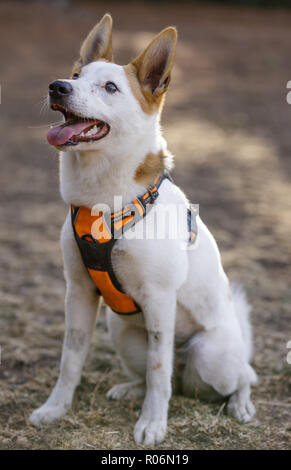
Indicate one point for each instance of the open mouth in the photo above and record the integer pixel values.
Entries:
(76, 129)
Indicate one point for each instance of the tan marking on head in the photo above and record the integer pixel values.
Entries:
(150, 167)
(76, 67)
(146, 101)
(149, 74)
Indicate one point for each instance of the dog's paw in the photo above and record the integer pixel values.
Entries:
(47, 414)
(126, 391)
(243, 411)
(149, 432)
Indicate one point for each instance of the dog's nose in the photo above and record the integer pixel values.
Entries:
(59, 89)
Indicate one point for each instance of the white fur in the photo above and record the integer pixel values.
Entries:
(184, 294)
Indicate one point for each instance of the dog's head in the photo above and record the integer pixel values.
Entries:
(108, 104)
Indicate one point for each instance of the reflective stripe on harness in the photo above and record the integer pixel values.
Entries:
(96, 235)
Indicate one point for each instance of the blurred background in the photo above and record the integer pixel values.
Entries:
(227, 121)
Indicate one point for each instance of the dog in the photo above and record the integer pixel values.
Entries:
(175, 305)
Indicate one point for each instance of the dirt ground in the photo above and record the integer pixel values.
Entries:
(228, 123)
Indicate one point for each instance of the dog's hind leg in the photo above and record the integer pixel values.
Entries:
(130, 342)
(216, 366)
(81, 312)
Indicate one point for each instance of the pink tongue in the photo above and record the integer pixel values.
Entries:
(59, 135)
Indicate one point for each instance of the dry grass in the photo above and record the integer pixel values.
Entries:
(228, 124)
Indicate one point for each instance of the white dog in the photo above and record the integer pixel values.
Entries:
(111, 145)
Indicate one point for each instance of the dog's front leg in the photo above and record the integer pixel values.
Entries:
(81, 308)
(159, 312)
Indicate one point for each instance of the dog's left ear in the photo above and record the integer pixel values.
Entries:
(98, 43)
(155, 64)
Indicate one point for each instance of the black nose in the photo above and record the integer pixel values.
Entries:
(59, 89)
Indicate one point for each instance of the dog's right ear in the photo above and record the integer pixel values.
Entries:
(98, 43)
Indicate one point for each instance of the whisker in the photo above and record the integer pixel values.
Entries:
(46, 125)
(44, 106)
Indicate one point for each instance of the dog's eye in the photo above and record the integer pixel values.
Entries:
(75, 76)
(110, 87)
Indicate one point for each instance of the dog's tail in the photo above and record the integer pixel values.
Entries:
(243, 310)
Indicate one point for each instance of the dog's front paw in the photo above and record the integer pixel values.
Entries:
(242, 411)
(150, 431)
(47, 414)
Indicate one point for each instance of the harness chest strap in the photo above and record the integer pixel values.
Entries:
(96, 235)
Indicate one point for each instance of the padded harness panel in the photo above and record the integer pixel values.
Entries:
(96, 234)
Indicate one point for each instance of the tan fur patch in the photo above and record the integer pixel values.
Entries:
(151, 166)
(76, 67)
(147, 102)
(149, 74)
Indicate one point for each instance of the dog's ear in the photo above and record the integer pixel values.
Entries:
(155, 64)
(98, 43)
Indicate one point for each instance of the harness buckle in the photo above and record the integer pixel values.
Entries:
(153, 193)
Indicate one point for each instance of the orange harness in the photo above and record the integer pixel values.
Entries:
(96, 235)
